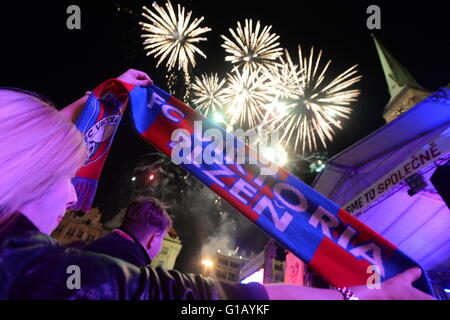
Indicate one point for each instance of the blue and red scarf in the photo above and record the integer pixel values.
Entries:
(331, 241)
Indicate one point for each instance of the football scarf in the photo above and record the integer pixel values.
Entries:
(340, 248)
(98, 122)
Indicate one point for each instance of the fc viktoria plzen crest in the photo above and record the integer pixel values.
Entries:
(98, 137)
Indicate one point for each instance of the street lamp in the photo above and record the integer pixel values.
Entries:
(207, 265)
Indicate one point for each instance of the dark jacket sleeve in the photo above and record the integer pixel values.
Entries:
(36, 267)
(115, 246)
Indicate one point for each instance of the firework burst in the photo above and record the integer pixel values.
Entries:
(208, 94)
(252, 48)
(286, 77)
(172, 36)
(246, 95)
(277, 154)
(311, 107)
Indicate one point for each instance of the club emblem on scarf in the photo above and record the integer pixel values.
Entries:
(98, 137)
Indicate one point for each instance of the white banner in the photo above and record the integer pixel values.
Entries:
(432, 151)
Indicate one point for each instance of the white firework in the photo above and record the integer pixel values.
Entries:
(246, 96)
(208, 93)
(286, 77)
(277, 154)
(311, 107)
(172, 36)
(252, 48)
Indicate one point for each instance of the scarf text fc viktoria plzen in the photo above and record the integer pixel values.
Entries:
(332, 242)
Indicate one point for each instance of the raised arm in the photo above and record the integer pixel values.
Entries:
(132, 76)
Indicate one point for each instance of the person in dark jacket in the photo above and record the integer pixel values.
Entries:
(140, 236)
(35, 266)
(40, 152)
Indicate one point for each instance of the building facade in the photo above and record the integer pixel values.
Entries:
(404, 90)
(77, 227)
(170, 249)
(224, 267)
(269, 265)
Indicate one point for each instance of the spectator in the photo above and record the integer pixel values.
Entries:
(140, 236)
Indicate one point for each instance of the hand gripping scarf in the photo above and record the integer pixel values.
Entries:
(332, 242)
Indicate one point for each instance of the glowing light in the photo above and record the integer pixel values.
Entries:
(275, 109)
(133, 179)
(172, 36)
(246, 95)
(331, 113)
(257, 276)
(313, 104)
(208, 93)
(317, 166)
(269, 153)
(252, 48)
(286, 77)
(277, 154)
(218, 118)
(151, 177)
(207, 263)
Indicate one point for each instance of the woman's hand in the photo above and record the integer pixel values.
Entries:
(396, 288)
(136, 77)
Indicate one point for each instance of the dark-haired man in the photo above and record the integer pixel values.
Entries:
(140, 236)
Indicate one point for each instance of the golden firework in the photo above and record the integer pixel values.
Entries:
(310, 106)
(208, 93)
(246, 96)
(172, 37)
(252, 48)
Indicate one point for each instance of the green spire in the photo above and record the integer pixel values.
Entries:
(397, 77)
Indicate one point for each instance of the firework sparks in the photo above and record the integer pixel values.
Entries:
(252, 48)
(172, 36)
(208, 94)
(276, 154)
(286, 77)
(311, 106)
(246, 95)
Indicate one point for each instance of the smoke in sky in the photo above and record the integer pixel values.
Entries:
(203, 221)
(222, 238)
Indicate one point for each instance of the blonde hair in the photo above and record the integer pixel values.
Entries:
(38, 147)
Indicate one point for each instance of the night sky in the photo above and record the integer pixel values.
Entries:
(40, 54)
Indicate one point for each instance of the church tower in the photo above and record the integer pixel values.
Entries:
(404, 90)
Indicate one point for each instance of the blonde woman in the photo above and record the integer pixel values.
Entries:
(40, 151)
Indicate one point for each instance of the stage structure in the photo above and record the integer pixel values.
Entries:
(396, 180)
